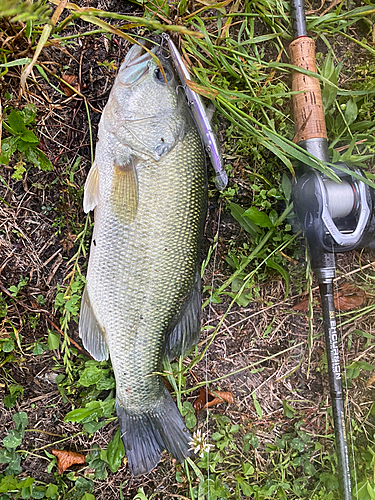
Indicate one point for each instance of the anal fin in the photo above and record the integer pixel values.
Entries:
(185, 332)
(91, 333)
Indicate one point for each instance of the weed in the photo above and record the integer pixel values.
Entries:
(22, 142)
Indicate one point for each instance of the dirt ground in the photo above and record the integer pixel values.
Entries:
(39, 217)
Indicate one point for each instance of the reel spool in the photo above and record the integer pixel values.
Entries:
(336, 216)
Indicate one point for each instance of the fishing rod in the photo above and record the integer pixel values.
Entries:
(336, 216)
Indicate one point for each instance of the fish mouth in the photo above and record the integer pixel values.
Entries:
(135, 65)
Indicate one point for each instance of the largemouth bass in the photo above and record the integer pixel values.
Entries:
(142, 298)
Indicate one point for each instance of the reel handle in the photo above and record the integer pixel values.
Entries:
(308, 112)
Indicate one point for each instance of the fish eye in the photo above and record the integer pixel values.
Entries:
(160, 77)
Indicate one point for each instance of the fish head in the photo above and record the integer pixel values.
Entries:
(140, 65)
(145, 111)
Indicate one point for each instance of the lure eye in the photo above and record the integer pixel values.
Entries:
(159, 77)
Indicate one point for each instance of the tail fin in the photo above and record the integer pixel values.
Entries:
(146, 435)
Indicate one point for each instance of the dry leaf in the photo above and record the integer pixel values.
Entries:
(203, 401)
(201, 90)
(370, 381)
(67, 458)
(348, 297)
(303, 305)
(72, 80)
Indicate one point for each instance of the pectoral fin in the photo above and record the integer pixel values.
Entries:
(91, 333)
(91, 195)
(124, 191)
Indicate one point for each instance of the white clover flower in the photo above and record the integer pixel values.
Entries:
(199, 444)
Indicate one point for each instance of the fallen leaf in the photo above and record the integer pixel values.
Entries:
(303, 305)
(201, 400)
(67, 458)
(207, 399)
(349, 297)
(346, 298)
(370, 381)
(71, 80)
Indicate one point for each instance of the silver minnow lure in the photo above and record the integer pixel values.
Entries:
(200, 117)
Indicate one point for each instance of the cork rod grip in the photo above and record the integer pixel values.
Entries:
(308, 112)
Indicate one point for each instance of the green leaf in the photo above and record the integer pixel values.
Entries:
(140, 495)
(38, 349)
(351, 111)
(246, 489)
(21, 421)
(8, 147)
(286, 187)
(329, 92)
(16, 391)
(106, 383)
(188, 411)
(297, 444)
(12, 440)
(51, 490)
(90, 376)
(8, 483)
(53, 341)
(92, 427)
(247, 469)
(257, 406)
(88, 496)
(29, 136)
(83, 414)
(191, 421)
(115, 452)
(259, 218)
(15, 122)
(19, 170)
(95, 462)
(6, 456)
(14, 290)
(216, 436)
(29, 113)
(38, 491)
(17, 62)
(25, 483)
(8, 345)
(309, 469)
(281, 270)
(237, 213)
(363, 365)
(14, 467)
(44, 162)
(288, 410)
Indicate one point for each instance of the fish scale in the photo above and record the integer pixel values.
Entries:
(142, 298)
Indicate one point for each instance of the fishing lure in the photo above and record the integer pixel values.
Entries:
(201, 119)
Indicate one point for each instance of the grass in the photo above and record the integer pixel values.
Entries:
(276, 441)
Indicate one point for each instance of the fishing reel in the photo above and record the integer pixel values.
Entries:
(336, 216)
